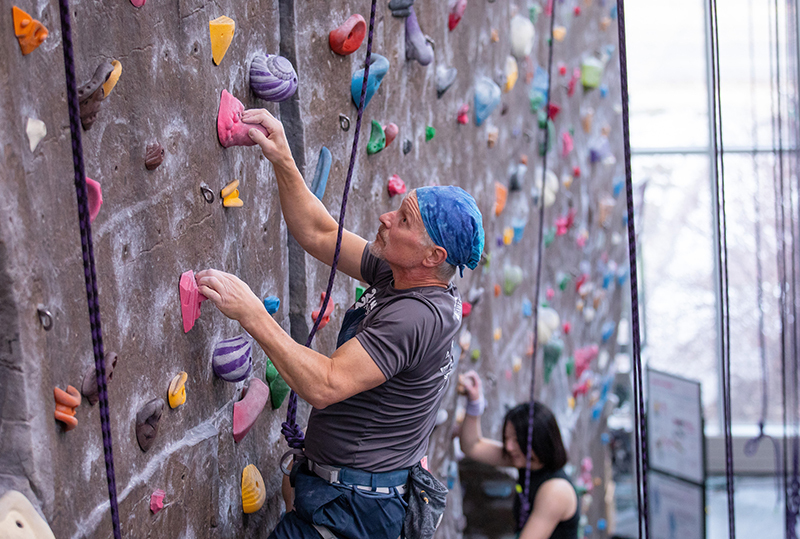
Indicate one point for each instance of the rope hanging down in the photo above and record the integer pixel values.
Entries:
(88, 258)
(290, 429)
(640, 428)
(525, 505)
(722, 258)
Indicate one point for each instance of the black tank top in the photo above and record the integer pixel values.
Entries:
(566, 529)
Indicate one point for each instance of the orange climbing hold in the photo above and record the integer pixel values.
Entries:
(326, 317)
(30, 33)
(500, 196)
(66, 402)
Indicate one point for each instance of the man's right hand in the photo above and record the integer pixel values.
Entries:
(274, 146)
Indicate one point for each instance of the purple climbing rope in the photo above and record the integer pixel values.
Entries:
(640, 428)
(525, 504)
(290, 428)
(88, 258)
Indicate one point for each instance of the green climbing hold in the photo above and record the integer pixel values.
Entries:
(549, 236)
(430, 132)
(563, 280)
(377, 139)
(570, 366)
(475, 355)
(552, 353)
(512, 278)
(359, 292)
(278, 388)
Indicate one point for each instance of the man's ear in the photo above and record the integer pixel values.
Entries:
(436, 255)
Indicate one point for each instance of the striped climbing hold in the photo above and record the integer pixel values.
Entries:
(231, 360)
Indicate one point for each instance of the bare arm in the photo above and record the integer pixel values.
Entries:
(473, 444)
(306, 217)
(317, 379)
(555, 501)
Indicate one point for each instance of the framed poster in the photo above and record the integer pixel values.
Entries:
(675, 438)
(677, 508)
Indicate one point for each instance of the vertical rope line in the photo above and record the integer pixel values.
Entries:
(87, 250)
(525, 505)
(722, 255)
(294, 436)
(640, 429)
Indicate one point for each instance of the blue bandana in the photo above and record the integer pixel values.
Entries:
(454, 222)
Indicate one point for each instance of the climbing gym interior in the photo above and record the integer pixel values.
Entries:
(635, 166)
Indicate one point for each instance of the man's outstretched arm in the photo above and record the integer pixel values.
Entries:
(318, 379)
(306, 217)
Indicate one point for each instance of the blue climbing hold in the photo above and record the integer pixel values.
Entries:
(608, 330)
(619, 184)
(321, 175)
(487, 97)
(601, 524)
(527, 308)
(378, 66)
(272, 304)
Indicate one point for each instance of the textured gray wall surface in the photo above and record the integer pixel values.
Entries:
(154, 225)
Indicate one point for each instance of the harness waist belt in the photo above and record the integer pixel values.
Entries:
(377, 482)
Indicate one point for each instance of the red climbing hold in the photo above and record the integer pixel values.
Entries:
(463, 114)
(390, 132)
(325, 317)
(456, 12)
(553, 110)
(348, 37)
(396, 185)
(157, 500)
(466, 308)
(247, 410)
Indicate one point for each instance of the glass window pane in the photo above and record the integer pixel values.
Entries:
(667, 73)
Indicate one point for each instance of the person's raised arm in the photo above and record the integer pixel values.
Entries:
(473, 444)
(306, 217)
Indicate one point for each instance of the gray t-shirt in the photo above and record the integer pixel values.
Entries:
(409, 334)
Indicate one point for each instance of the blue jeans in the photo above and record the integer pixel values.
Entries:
(345, 510)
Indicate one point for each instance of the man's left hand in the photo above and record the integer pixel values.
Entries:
(230, 294)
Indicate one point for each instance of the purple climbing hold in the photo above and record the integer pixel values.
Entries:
(418, 45)
(272, 78)
(231, 360)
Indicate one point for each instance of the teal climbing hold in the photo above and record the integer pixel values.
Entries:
(552, 353)
(272, 304)
(321, 174)
(378, 67)
(377, 139)
(487, 97)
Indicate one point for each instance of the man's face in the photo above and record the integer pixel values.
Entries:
(400, 238)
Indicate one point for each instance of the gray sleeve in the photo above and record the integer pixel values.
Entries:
(399, 337)
(373, 268)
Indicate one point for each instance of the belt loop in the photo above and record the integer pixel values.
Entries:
(373, 482)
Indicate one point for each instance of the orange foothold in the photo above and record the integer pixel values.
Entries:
(177, 390)
(30, 33)
(66, 402)
(326, 317)
(500, 195)
(496, 290)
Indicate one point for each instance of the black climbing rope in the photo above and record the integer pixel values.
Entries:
(88, 258)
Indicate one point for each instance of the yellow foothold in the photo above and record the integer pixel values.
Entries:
(559, 33)
(508, 235)
(512, 73)
(233, 200)
(498, 334)
(254, 493)
(221, 29)
(517, 365)
(571, 403)
(230, 188)
(112, 79)
(177, 390)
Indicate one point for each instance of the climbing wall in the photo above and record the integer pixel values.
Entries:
(156, 224)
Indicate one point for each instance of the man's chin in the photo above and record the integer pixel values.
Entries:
(376, 250)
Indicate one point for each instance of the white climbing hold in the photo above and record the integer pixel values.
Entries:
(36, 131)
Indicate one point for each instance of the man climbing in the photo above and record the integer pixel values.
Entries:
(375, 399)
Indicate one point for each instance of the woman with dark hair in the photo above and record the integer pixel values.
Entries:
(555, 509)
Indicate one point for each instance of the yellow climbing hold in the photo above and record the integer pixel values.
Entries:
(559, 33)
(511, 73)
(571, 403)
(229, 189)
(508, 235)
(254, 493)
(177, 390)
(221, 36)
(498, 334)
(230, 195)
(112, 79)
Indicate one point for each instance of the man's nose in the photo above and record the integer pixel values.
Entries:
(386, 219)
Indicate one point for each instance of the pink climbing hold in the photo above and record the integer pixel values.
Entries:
(191, 298)
(390, 131)
(138, 3)
(566, 144)
(576, 76)
(232, 131)
(550, 294)
(247, 410)
(396, 185)
(583, 357)
(466, 309)
(456, 12)
(157, 497)
(463, 114)
(325, 317)
(95, 198)
(563, 224)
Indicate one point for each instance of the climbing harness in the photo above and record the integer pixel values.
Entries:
(525, 504)
(289, 428)
(640, 426)
(88, 258)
